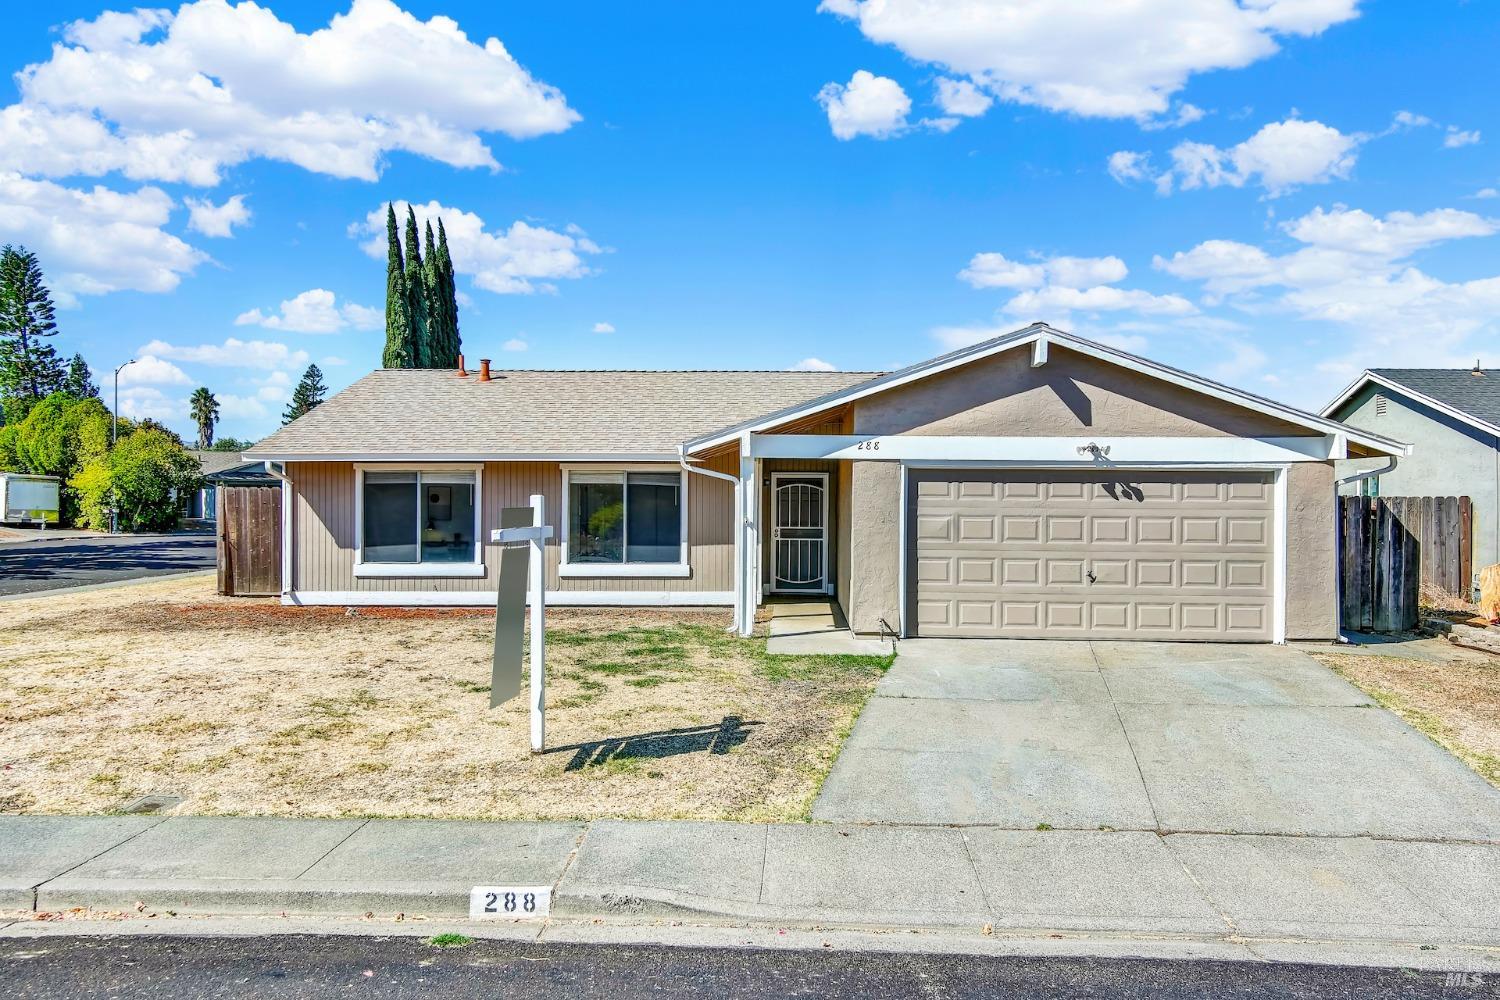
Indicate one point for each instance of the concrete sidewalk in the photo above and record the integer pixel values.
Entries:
(1202, 887)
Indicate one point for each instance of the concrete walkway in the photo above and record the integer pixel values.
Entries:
(817, 628)
(1199, 887)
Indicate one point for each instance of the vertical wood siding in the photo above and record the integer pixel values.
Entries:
(324, 542)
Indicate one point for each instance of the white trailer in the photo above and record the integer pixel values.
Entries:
(29, 499)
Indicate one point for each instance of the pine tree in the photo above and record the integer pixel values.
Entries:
(416, 293)
(79, 381)
(307, 396)
(397, 309)
(449, 295)
(205, 412)
(29, 367)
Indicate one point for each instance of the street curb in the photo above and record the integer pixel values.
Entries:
(254, 897)
(37, 595)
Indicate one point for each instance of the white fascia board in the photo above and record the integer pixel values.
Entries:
(484, 598)
(1370, 378)
(388, 458)
(1049, 450)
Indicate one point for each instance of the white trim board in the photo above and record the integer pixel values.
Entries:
(1030, 335)
(385, 457)
(485, 598)
(1049, 450)
(1371, 378)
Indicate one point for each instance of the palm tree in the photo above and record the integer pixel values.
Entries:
(205, 410)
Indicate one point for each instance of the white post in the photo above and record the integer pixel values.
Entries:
(748, 537)
(537, 598)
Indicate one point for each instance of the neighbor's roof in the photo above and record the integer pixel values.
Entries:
(217, 461)
(527, 414)
(1475, 399)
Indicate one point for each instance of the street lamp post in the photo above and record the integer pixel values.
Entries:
(114, 434)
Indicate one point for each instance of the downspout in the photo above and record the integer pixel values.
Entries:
(286, 527)
(1338, 534)
(740, 597)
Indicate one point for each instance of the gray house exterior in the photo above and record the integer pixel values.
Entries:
(1452, 418)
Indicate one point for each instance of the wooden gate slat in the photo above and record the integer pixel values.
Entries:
(249, 537)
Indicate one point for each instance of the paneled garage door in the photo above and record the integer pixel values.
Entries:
(1103, 555)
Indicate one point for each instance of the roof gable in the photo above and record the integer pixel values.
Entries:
(1456, 392)
(1037, 337)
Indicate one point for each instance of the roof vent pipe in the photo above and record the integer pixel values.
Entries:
(461, 372)
(484, 369)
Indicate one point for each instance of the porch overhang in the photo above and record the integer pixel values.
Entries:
(1087, 452)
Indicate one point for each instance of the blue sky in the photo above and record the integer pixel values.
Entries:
(1305, 188)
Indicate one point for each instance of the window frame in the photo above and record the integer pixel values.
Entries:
(367, 569)
(663, 570)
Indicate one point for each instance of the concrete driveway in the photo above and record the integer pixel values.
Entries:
(1144, 736)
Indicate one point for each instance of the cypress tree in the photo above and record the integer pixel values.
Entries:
(416, 293)
(449, 294)
(437, 320)
(397, 308)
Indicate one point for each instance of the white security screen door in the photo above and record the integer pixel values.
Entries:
(799, 533)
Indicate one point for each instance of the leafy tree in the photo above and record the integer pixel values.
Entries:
(307, 396)
(205, 412)
(416, 294)
(79, 381)
(230, 444)
(398, 352)
(59, 436)
(145, 474)
(29, 366)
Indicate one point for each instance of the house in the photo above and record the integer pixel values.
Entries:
(1034, 485)
(1452, 418)
(222, 468)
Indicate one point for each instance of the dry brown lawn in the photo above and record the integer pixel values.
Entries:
(1456, 703)
(246, 707)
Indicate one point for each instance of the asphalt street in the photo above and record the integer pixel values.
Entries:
(52, 563)
(308, 966)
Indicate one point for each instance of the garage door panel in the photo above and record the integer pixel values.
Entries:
(1172, 554)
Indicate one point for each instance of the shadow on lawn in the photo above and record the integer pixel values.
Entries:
(728, 734)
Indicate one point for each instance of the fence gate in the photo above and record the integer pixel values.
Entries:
(249, 520)
(1390, 547)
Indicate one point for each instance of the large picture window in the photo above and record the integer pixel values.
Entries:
(624, 522)
(418, 520)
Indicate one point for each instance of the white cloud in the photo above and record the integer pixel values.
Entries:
(182, 96)
(151, 370)
(333, 361)
(813, 365)
(870, 105)
(604, 328)
(1186, 115)
(1485, 193)
(993, 270)
(1122, 60)
(1457, 137)
(1281, 156)
(514, 344)
(262, 354)
(962, 98)
(1128, 166)
(1052, 288)
(216, 220)
(519, 260)
(234, 407)
(98, 240)
(139, 402)
(1354, 270)
(314, 311)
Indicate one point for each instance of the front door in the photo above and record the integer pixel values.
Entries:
(799, 532)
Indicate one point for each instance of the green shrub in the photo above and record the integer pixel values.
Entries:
(145, 474)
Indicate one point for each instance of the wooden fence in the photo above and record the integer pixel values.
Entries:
(249, 540)
(1389, 547)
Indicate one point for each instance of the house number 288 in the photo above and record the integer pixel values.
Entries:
(868, 446)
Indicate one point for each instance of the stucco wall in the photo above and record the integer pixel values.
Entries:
(1310, 552)
(1071, 395)
(1449, 458)
(324, 543)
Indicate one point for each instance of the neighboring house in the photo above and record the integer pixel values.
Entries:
(1452, 417)
(222, 468)
(1034, 485)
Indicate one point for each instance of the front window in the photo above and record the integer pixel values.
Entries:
(624, 518)
(419, 517)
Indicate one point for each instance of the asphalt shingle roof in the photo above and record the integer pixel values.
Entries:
(1460, 388)
(433, 412)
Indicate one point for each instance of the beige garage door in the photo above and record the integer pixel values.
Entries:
(1117, 555)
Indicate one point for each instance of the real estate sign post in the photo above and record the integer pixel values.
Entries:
(524, 537)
